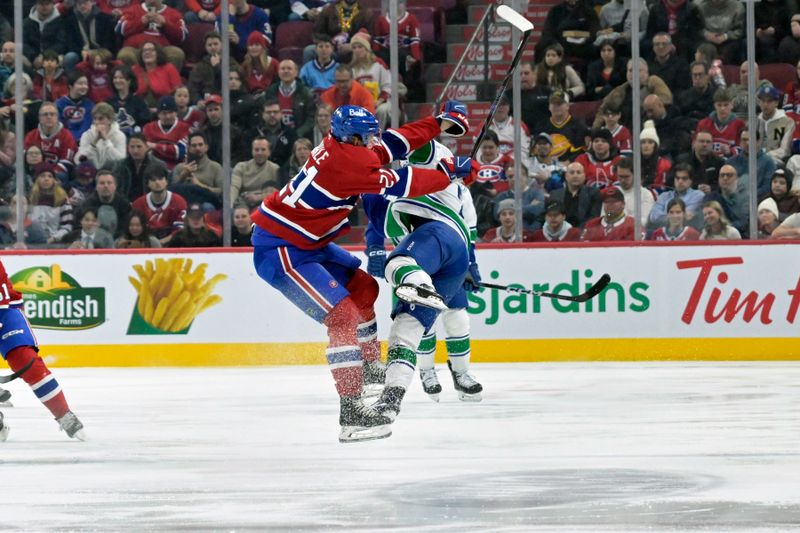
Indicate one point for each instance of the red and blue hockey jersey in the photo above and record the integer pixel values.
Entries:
(312, 209)
(8, 296)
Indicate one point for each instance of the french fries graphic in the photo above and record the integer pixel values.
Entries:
(171, 295)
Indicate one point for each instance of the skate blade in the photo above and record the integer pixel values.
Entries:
(80, 435)
(409, 295)
(464, 397)
(6, 404)
(360, 434)
(372, 390)
(434, 396)
(4, 433)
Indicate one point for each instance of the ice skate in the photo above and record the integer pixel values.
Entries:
(430, 383)
(424, 295)
(360, 422)
(467, 388)
(374, 376)
(5, 395)
(4, 429)
(72, 426)
(389, 402)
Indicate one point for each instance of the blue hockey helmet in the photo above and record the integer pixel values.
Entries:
(351, 120)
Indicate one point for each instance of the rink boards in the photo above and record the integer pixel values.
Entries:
(723, 302)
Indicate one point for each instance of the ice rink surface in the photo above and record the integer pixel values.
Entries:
(568, 447)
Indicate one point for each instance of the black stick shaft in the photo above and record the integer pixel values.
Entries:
(503, 86)
(593, 291)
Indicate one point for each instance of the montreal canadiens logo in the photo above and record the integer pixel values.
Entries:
(489, 173)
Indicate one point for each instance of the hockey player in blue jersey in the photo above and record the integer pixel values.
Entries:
(295, 227)
(434, 256)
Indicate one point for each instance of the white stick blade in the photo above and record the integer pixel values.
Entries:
(514, 18)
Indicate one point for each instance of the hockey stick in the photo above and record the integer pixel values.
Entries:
(525, 26)
(593, 291)
(18, 373)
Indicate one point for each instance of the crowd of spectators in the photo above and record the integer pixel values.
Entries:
(123, 142)
(123, 128)
(578, 170)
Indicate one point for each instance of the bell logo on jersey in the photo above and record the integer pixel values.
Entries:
(55, 300)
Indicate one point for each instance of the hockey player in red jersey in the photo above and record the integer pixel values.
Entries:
(295, 227)
(19, 348)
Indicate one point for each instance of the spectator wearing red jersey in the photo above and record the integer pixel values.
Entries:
(97, 67)
(507, 230)
(496, 167)
(620, 135)
(725, 127)
(556, 228)
(614, 224)
(56, 142)
(599, 161)
(654, 167)
(155, 76)
(163, 209)
(167, 136)
(152, 22)
(409, 44)
(259, 67)
(677, 227)
(201, 11)
(191, 115)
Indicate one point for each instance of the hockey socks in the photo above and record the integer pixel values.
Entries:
(343, 353)
(363, 292)
(40, 380)
(426, 352)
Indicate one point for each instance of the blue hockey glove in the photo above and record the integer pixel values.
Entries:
(460, 167)
(376, 261)
(472, 281)
(454, 112)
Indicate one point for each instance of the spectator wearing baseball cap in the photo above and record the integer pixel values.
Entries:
(556, 228)
(777, 126)
(614, 225)
(195, 233)
(546, 171)
(599, 161)
(569, 136)
(167, 134)
(506, 231)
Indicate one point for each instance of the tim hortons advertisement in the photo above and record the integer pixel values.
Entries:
(658, 296)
